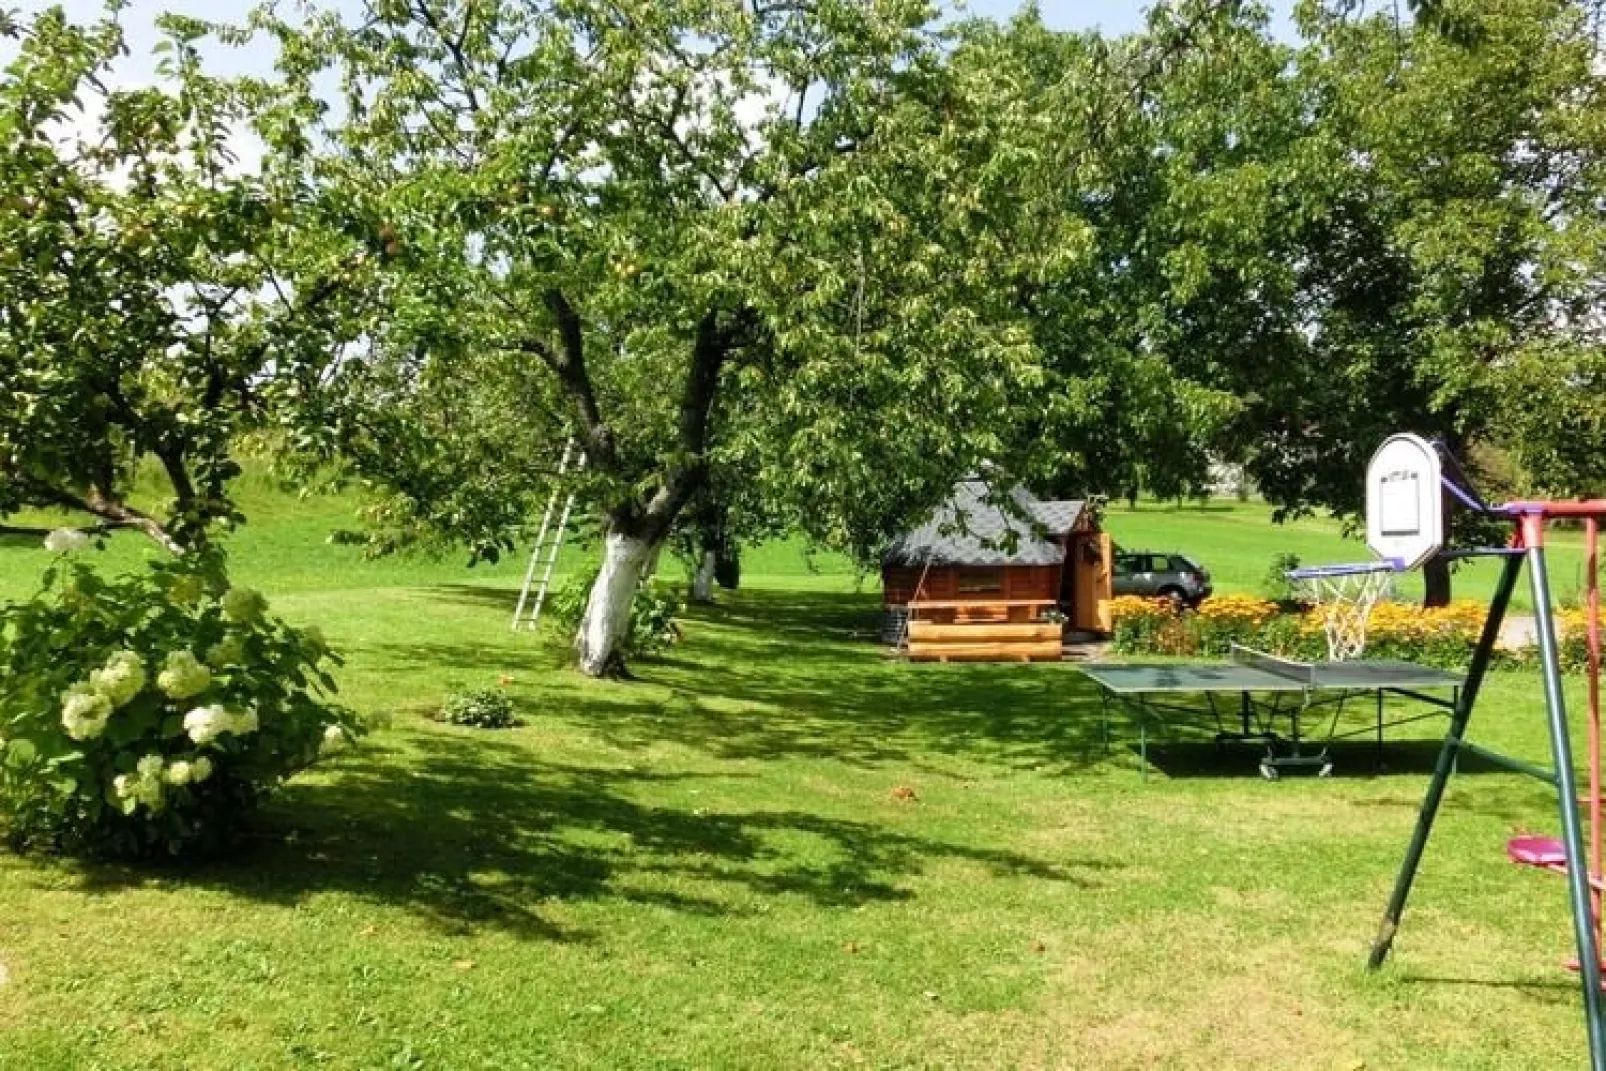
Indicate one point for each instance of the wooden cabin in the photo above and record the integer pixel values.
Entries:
(980, 577)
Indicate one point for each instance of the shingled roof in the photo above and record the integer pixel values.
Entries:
(969, 530)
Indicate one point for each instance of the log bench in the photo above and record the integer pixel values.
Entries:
(982, 630)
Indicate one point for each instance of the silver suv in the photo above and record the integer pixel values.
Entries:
(1169, 576)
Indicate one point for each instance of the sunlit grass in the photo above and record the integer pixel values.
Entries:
(779, 848)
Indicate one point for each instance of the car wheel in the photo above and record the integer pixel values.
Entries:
(1178, 597)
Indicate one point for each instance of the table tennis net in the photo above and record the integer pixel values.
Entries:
(1303, 672)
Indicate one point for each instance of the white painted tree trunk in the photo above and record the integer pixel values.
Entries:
(702, 582)
(607, 616)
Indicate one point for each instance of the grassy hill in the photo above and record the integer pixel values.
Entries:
(1237, 541)
(285, 546)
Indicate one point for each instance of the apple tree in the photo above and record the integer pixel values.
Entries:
(772, 240)
(144, 299)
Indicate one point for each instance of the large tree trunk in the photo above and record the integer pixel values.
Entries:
(607, 616)
(702, 581)
(1436, 570)
(728, 566)
(1436, 579)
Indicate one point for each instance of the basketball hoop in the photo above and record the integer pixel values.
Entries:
(1345, 596)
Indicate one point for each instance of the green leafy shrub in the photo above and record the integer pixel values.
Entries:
(149, 714)
(1275, 585)
(654, 614)
(480, 708)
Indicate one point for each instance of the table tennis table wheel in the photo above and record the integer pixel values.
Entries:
(1268, 771)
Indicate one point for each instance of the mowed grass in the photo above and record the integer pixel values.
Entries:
(1236, 542)
(778, 848)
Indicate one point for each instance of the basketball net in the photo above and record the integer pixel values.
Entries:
(1345, 601)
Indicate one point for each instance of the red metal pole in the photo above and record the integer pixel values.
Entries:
(1592, 612)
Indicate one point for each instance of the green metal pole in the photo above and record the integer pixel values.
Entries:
(1567, 800)
(1446, 762)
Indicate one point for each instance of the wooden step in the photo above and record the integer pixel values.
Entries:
(1020, 632)
(1036, 650)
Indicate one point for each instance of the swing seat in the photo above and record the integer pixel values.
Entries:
(1546, 852)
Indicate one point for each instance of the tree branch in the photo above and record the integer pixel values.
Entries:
(97, 504)
(710, 348)
(570, 365)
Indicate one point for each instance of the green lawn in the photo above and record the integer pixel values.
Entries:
(718, 865)
(1236, 542)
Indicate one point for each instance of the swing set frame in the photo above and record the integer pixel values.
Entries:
(1584, 875)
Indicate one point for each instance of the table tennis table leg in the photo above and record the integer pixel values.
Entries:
(1143, 748)
(1104, 719)
(1379, 764)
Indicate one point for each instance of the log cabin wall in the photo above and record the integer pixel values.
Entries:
(1089, 576)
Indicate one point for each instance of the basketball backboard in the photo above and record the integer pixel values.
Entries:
(1404, 501)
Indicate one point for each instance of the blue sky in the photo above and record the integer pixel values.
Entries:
(1110, 16)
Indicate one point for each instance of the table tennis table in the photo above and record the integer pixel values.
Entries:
(1269, 689)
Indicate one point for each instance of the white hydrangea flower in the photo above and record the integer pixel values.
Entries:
(200, 769)
(206, 724)
(226, 652)
(84, 712)
(121, 679)
(132, 791)
(149, 792)
(178, 773)
(66, 541)
(334, 738)
(149, 768)
(183, 676)
(244, 605)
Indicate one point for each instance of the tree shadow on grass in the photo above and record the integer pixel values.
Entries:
(472, 834)
(483, 595)
(787, 673)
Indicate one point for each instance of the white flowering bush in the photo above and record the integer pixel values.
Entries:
(151, 713)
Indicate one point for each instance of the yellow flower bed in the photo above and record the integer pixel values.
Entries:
(1136, 608)
(1238, 610)
(1575, 623)
(1407, 622)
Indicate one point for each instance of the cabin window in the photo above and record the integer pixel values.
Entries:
(981, 581)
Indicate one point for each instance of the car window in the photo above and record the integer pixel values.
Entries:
(1140, 563)
(1125, 565)
(1179, 564)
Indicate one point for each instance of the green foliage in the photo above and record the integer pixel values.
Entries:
(480, 708)
(654, 614)
(736, 264)
(1275, 585)
(1294, 249)
(145, 305)
(149, 714)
